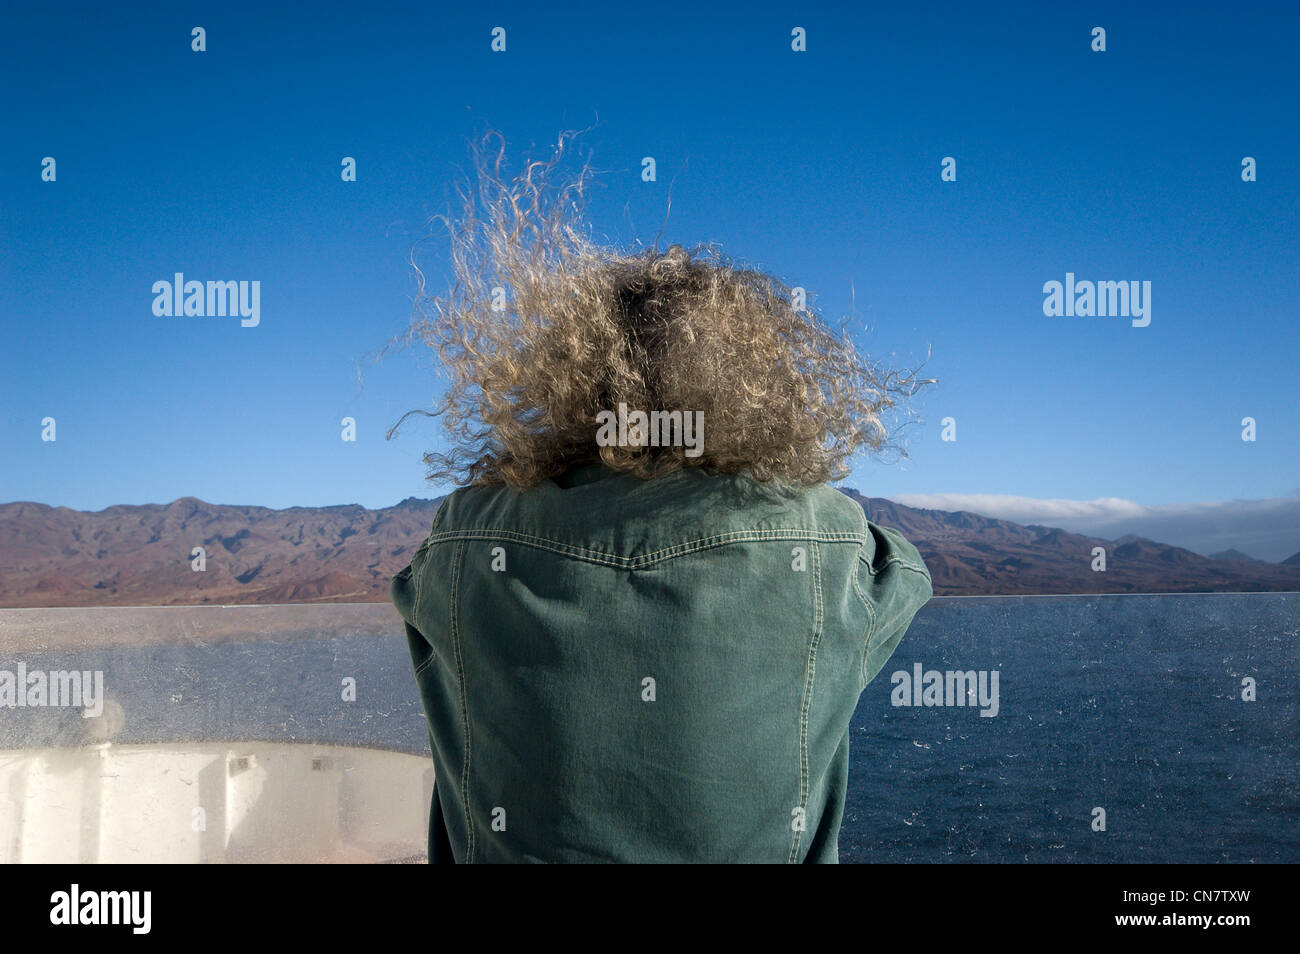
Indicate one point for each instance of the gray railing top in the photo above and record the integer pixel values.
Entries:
(35, 630)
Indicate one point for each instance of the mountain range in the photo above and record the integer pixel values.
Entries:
(131, 555)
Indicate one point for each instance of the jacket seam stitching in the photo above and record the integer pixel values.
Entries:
(415, 608)
(657, 556)
(871, 610)
(893, 561)
(810, 675)
(464, 702)
(423, 550)
(419, 581)
(871, 633)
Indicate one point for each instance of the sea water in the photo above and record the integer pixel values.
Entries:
(1128, 704)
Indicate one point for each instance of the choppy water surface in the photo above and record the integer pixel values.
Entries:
(1128, 703)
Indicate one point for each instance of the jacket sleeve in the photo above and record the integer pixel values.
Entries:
(404, 593)
(895, 583)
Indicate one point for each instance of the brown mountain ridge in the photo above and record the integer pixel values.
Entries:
(141, 555)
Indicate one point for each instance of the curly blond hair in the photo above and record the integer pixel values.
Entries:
(543, 329)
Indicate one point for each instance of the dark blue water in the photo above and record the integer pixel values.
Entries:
(1130, 704)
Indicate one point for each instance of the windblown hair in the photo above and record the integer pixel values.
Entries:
(543, 329)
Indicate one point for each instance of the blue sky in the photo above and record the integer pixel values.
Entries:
(822, 166)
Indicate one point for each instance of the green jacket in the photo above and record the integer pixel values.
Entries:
(618, 669)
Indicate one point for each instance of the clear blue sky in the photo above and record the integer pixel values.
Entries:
(822, 166)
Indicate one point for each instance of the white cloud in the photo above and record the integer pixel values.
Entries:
(1268, 529)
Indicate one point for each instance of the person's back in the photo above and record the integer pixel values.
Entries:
(632, 643)
(628, 670)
